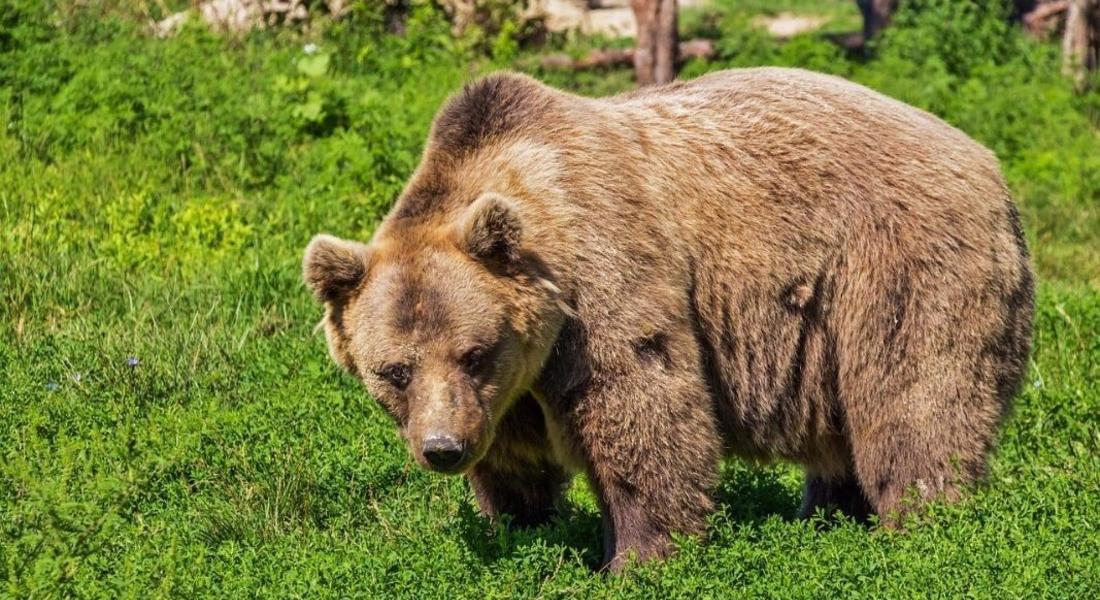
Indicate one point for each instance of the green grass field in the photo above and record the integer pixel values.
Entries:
(170, 424)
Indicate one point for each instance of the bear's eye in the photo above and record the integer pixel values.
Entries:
(474, 359)
(398, 375)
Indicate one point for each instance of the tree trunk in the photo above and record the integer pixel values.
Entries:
(668, 42)
(876, 15)
(645, 45)
(1081, 39)
(657, 43)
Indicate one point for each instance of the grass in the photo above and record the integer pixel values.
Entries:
(170, 424)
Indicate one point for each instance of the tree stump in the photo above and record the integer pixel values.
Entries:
(1081, 39)
(657, 45)
(876, 16)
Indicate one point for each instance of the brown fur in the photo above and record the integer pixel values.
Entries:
(769, 263)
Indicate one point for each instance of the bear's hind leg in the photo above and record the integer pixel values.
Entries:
(926, 369)
(903, 469)
(923, 443)
(831, 494)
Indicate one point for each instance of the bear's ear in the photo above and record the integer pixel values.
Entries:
(490, 229)
(333, 267)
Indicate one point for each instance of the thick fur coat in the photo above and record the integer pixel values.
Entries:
(768, 263)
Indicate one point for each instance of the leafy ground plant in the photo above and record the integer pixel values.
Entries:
(170, 425)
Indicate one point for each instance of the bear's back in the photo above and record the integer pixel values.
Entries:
(779, 122)
(795, 160)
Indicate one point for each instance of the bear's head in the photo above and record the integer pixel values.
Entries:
(446, 322)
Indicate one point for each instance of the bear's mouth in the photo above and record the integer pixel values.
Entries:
(456, 470)
(459, 467)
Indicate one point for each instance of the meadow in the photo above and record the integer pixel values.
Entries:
(171, 423)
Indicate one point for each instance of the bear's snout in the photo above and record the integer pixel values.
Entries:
(443, 452)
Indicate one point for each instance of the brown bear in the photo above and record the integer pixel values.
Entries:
(768, 263)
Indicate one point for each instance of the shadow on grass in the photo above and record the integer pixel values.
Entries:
(749, 495)
(755, 494)
(572, 528)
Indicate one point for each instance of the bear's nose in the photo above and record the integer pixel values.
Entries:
(442, 452)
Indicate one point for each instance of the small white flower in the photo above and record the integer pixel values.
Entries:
(310, 48)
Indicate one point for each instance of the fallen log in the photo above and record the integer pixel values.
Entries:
(1043, 19)
(240, 16)
(614, 57)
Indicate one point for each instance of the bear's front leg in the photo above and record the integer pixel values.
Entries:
(518, 476)
(652, 449)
